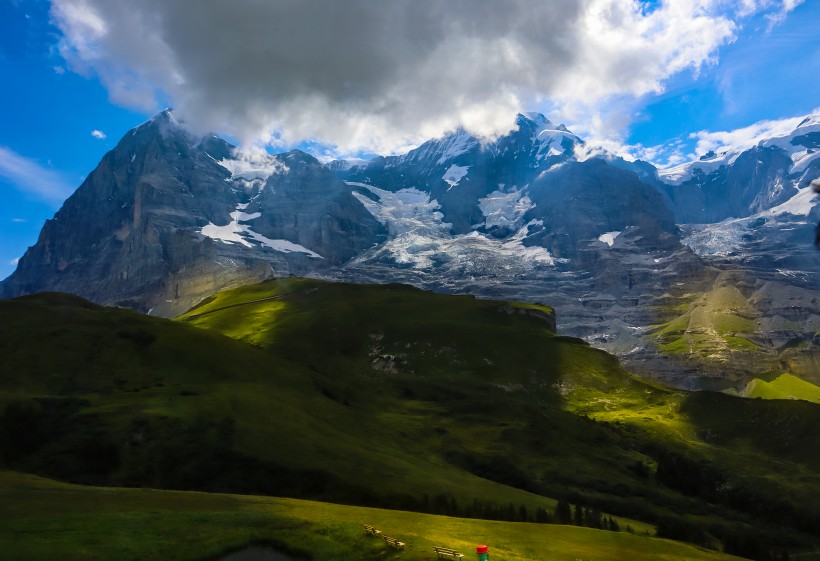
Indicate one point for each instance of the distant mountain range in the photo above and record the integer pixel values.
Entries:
(703, 275)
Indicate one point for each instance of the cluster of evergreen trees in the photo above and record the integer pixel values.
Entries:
(565, 513)
(447, 505)
(580, 515)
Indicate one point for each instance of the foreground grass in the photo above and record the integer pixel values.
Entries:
(43, 519)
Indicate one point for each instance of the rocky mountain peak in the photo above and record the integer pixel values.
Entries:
(809, 121)
(535, 117)
(168, 218)
(299, 157)
(537, 121)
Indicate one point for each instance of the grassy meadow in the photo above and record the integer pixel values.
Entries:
(45, 519)
(388, 396)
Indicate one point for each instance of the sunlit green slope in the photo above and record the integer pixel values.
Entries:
(784, 386)
(390, 396)
(732, 329)
(42, 519)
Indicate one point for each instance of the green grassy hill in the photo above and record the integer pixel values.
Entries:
(784, 386)
(390, 396)
(725, 331)
(42, 519)
(718, 320)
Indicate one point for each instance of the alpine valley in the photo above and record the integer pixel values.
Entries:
(526, 342)
(702, 276)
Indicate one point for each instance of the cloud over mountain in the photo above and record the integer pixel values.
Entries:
(745, 137)
(381, 77)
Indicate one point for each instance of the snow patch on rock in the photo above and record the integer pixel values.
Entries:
(459, 143)
(454, 174)
(504, 209)
(609, 237)
(236, 232)
(721, 239)
(799, 205)
(253, 166)
(418, 237)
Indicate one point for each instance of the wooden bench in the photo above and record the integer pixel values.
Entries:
(443, 551)
(394, 542)
(371, 530)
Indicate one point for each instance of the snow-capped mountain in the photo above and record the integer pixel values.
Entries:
(753, 206)
(458, 169)
(168, 218)
(739, 183)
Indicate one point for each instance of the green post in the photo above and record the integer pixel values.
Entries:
(483, 553)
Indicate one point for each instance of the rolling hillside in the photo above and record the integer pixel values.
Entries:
(784, 386)
(135, 524)
(390, 396)
(737, 329)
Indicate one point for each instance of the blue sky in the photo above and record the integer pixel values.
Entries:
(58, 90)
(764, 75)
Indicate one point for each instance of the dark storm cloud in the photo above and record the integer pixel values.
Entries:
(380, 75)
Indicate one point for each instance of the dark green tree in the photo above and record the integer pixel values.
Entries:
(596, 518)
(563, 512)
(578, 516)
(542, 516)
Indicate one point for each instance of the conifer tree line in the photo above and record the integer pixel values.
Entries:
(564, 513)
(579, 515)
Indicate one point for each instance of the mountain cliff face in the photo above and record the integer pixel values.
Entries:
(753, 208)
(626, 254)
(737, 184)
(524, 195)
(166, 218)
(458, 170)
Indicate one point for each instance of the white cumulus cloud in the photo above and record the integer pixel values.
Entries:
(98, 134)
(358, 75)
(745, 137)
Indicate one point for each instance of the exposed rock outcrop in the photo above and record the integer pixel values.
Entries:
(619, 249)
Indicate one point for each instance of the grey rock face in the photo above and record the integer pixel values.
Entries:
(753, 209)
(614, 246)
(310, 206)
(129, 226)
(756, 180)
(458, 170)
(131, 235)
(583, 198)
